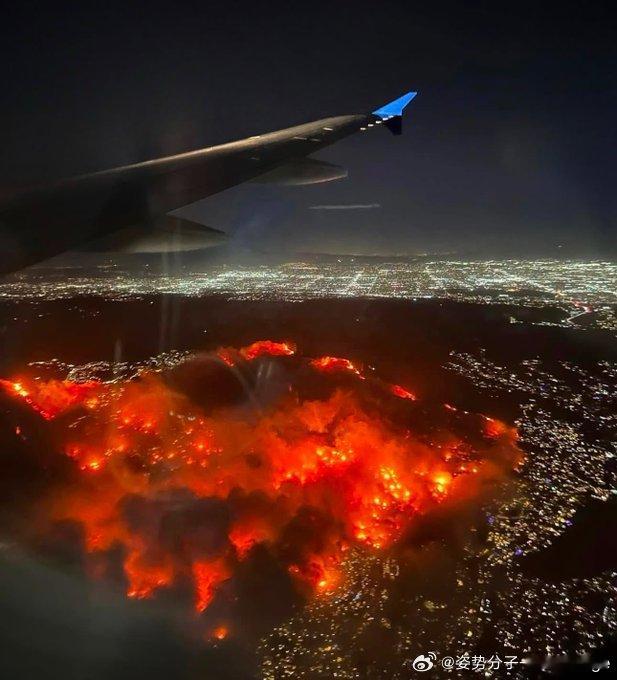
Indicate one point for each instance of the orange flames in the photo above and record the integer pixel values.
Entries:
(232, 356)
(331, 364)
(401, 392)
(144, 578)
(220, 633)
(495, 428)
(208, 575)
(267, 347)
(54, 396)
(187, 495)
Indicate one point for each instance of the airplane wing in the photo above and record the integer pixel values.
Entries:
(46, 221)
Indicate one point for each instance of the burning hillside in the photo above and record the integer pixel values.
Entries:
(186, 488)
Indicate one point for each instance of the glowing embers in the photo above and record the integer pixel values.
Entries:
(310, 461)
(186, 496)
(442, 481)
(381, 516)
(220, 633)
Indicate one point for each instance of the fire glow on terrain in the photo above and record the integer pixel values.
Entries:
(187, 493)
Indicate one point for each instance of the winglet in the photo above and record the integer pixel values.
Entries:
(392, 112)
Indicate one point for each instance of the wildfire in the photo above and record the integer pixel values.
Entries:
(267, 347)
(328, 582)
(187, 495)
(208, 575)
(52, 397)
(495, 428)
(401, 392)
(231, 356)
(331, 364)
(220, 633)
(144, 578)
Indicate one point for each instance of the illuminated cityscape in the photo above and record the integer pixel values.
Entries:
(537, 620)
(492, 595)
(586, 291)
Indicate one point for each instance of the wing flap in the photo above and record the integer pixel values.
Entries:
(170, 234)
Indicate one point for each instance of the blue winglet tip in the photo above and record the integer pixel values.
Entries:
(395, 108)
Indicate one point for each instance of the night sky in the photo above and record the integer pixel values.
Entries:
(509, 149)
